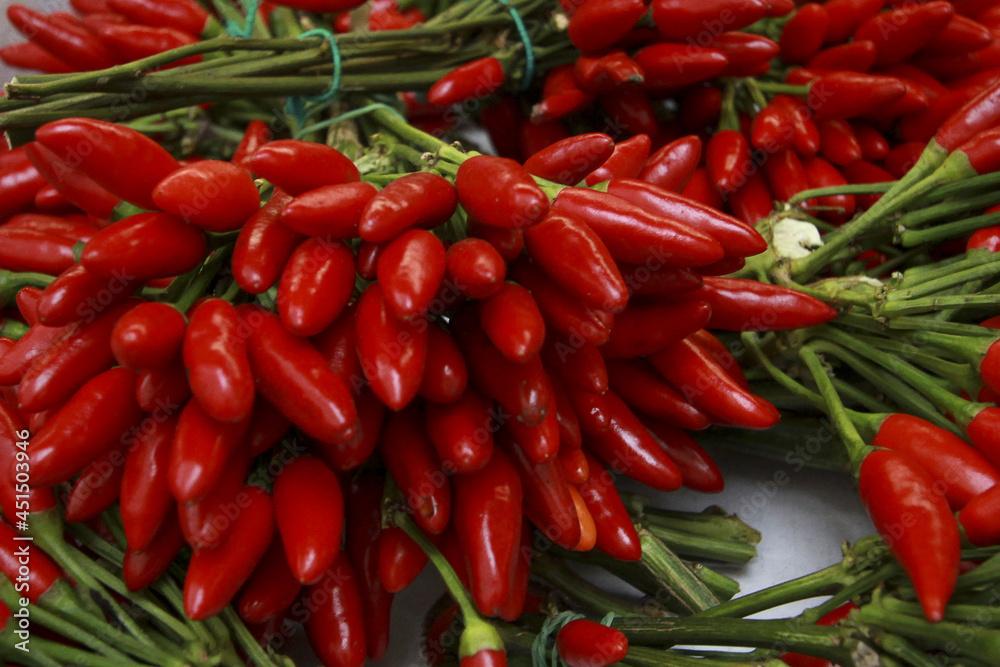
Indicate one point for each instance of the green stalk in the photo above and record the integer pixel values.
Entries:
(987, 267)
(585, 593)
(945, 210)
(677, 580)
(853, 189)
(980, 643)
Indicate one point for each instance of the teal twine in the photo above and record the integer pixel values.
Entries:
(529, 48)
(246, 30)
(296, 106)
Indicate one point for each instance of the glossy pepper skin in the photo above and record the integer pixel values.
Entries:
(335, 628)
(645, 391)
(895, 489)
(14, 439)
(298, 166)
(315, 285)
(97, 416)
(475, 79)
(745, 305)
(979, 518)
(98, 486)
(446, 374)
(294, 377)
(596, 25)
(410, 271)
(111, 148)
(645, 328)
(584, 643)
(148, 336)
(461, 431)
(423, 200)
(364, 529)
(513, 322)
(67, 42)
(400, 559)
(185, 15)
(65, 300)
(71, 183)
(474, 268)
(215, 356)
(145, 246)
(271, 589)
(488, 524)
(141, 568)
(676, 19)
(627, 160)
(616, 535)
(214, 576)
(499, 192)
(42, 574)
(264, 246)
(200, 451)
(329, 211)
(570, 160)
(392, 352)
(145, 494)
(213, 195)
(304, 491)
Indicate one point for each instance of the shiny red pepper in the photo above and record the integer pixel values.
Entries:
(627, 159)
(785, 174)
(145, 492)
(298, 166)
(422, 199)
(295, 378)
(473, 80)
(33, 581)
(68, 42)
(215, 356)
(264, 246)
(316, 284)
(499, 192)
(901, 32)
(698, 470)
(822, 174)
(488, 525)
(561, 96)
(330, 211)
(410, 271)
(214, 576)
(606, 72)
(77, 291)
(630, 110)
(102, 148)
(646, 392)
(753, 201)
(513, 323)
(201, 448)
(97, 416)
(150, 335)
(570, 160)
(729, 160)
(474, 268)
(98, 486)
(846, 15)
(583, 643)
(850, 94)
(838, 144)
(335, 625)
(562, 311)
(142, 567)
(671, 166)
(164, 388)
(145, 246)
(271, 589)
(577, 260)
(539, 442)
(856, 56)
(28, 55)
(616, 534)
(897, 492)
(679, 20)
(597, 24)
(256, 135)
(266, 428)
(73, 184)
(204, 523)
(400, 559)
(576, 362)
(667, 65)
(310, 545)
(644, 328)
(14, 442)
(802, 36)
(216, 196)
(364, 528)
(19, 183)
(128, 42)
(186, 15)
(462, 431)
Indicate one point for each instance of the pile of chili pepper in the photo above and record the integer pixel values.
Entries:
(227, 310)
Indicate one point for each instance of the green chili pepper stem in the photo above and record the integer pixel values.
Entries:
(982, 644)
(54, 653)
(729, 119)
(676, 578)
(712, 522)
(987, 267)
(646, 656)
(956, 373)
(930, 324)
(904, 650)
(775, 88)
(852, 189)
(700, 546)
(12, 282)
(857, 449)
(586, 594)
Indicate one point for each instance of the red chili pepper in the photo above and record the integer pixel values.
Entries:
(692, 370)
(293, 376)
(865, 172)
(846, 15)
(753, 201)
(634, 235)
(498, 119)
(330, 211)
(204, 523)
(271, 589)
(832, 618)
(73, 184)
(488, 526)
(216, 196)
(838, 144)
(149, 335)
(256, 135)
(145, 246)
(850, 94)
(773, 129)
(14, 441)
(499, 192)
(101, 148)
(400, 559)
(668, 65)
(646, 392)
(214, 576)
(304, 490)
(513, 322)
(28, 55)
(578, 363)
(979, 518)
(201, 448)
(616, 534)
(644, 328)
(315, 286)
(901, 32)
(67, 42)
(142, 567)
(785, 175)
(336, 625)
(562, 311)
(574, 465)
(729, 160)
(570, 160)
(626, 445)
(561, 96)
(546, 496)
(421, 199)
(802, 36)
(27, 564)
(679, 20)
(48, 199)
(15, 361)
(629, 110)
(145, 499)
(856, 56)
(98, 486)
(626, 160)
(588, 531)
(539, 442)
(606, 72)
(392, 352)
(474, 268)
(698, 470)
(364, 528)
(671, 166)
(76, 292)
(298, 166)
(462, 431)
(540, 133)
(78, 354)
(264, 246)
(410, 271)
(163, 388)
(484, 658)
(185, 15)
(805, 134)
(583, 643)
(895, 489)
(19, 183)
(98, 415)
(445, 374)
(215, 356)
(959, 471)
(134, 42)
(598, 24)
(822, 174)
(570, 437)
(473, 80)
(267, 427)
(657, 280)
